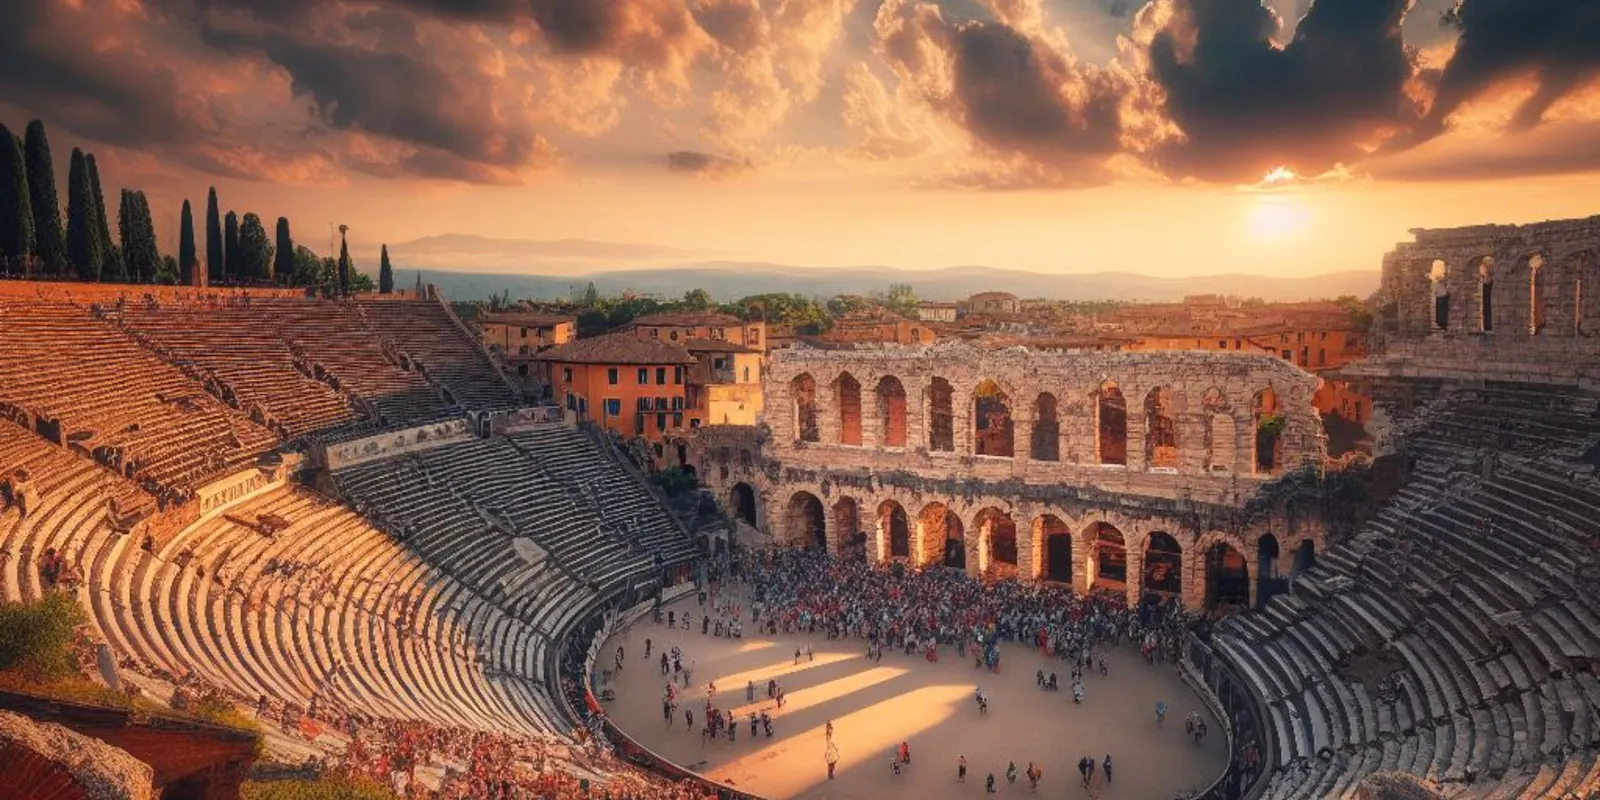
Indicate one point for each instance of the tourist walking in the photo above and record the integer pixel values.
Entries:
(961, 769)
(830, 754)
(1107, 766)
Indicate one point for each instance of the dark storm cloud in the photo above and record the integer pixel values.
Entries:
(1246, 106)
(706, 165)
(1554, 42)
(1566, 148)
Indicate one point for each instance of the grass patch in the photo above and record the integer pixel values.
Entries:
(319, 789)
(36, 638)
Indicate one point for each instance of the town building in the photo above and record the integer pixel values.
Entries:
(936, 312)
(724, 383)
(518, 336)
(877, 324)
(631, 385)
(993, 303)
(675, 327)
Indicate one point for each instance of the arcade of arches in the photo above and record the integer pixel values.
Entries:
(1091, 550)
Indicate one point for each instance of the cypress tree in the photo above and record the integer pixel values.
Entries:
(255, 249)
(16, 207)
(214, 254)
(49, 244)
(186, 263)
(283, 253)
(143, 257)
(230, 247)
(83, 231)
(344, 267)
(103, 231)
(119, 270)
(385, 273)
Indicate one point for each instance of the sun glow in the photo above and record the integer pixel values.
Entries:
(1276, 217)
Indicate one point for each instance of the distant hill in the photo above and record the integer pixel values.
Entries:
(729, 280)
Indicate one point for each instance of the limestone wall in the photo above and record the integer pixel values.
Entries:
(1211, 403)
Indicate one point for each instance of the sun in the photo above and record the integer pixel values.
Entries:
(1276, 217)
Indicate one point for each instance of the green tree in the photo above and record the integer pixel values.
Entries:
(230, 247)
(186, 254)
(118, 267)
(255, 249)
(168, 273)
(591, 296)
(103, 230)
(215, 255)
(307, 268)
(345, 267)
(283, 252)
(385, 272)
(16, 207)
(141, 259)
(1360, 314)
(901, 300)
(698, 300)
(36, 638)
(48, 240)
(83, 236)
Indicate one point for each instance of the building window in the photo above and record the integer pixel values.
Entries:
(1222, 344)
(661, 404)
(566, 374)
(644, 404)
(661, 422)
(661, 376)
(613, 407)
(1305, 356)
(674, 336)
(524, 333)
(677, 375)
(655, 333)
(1238, 344)
(1322, 356)
(677, 420)
(916, 335)
(694, 423)
(746, 374)
(572, 402)
(1288, 355)
(677, 404)
(644, 376)
(611, 376)
(755, 336)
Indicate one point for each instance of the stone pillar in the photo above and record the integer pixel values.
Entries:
(1250, 573)
(1027, 547)
(830, 528)
(1194, 577)
(1021, 448)
(1082, 572)
(977, 554)
(871, 416)
(1135, 572)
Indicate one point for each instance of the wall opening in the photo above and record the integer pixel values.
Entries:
(1486, 294)
(944, 537)
(849, 391)
(896, 528)
(1441, 295)
(892, 408)
(1046, 444)
(1163, 564)
(1227, 577)
(1269, 427)
(1537, 278)
(1108, 556)
(999, 538)
(992, 425)
(744, 503)
(941, 421)
(808, 526)
(804, 389)
(1221, 436)
(1160, 430)
(1305, 556)
(1057, 538)
(1111, 415)
(847, 521)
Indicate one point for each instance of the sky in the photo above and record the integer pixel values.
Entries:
(1166, 137)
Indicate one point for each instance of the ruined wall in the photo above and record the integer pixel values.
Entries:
(1215, 438)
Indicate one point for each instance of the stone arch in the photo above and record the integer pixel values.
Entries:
(1305, 555)
(894, 530)
(1486, 294)
(944, 538)
(1268, 427)
(807, 525)
(941, 416)
(1046, 438)
(1227, 573)
(743, 502)
(1106, 562)
(1160, 430)
(997, 541)
(804, 390)
(1585, 292)
(1056, 536)
(852, 540)
(993, 432)
(1221, 432)
(1111, 424)
(891, 396)
(1438, 275)
(1538, 294)
(848, 396)
(1267, 554)
(1163, 564)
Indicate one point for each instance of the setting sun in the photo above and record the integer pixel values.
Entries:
(1277, 217)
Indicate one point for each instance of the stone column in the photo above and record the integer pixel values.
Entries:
(1135, 572)
(1194, 577)
(830, 528)
(1021, 447)
(1250, 573)
(977, 554)
(1082, 575)
(1027, 547)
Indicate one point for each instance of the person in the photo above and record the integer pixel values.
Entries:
(797, 655)
(1034, 774)
(894, 764)
(810, 656)
(647, 648)
(1161, 712)
(905, 752)
(664, 665)
(1011, 773)
(831, 755)
(1077, 691)
(983, 702)
(619, 658)
(961, 769)
(688, 719)
(753, 724)
(989, 784)
(829, 731)
(671, 619)
(1107, 766)
(750, 691)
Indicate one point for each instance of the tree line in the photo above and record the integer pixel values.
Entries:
(34, 243)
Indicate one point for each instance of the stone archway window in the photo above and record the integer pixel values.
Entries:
(1537, 279)
(804, 388)
(1221, 437)
(1057, 538)
(992, 433)
(1441, 295)
(1227, 576)
(998, 533)
(1163, 564)
(744, 502)
(895, 527)
(1160, 430)
(892, 408)
(1046, 444)
(849, 390)
(941, 419)
(1111, 416)
(806, 521)
(944, 537)
(1108, 551)
(1486, 294)
(847, 521)
(1269, 429)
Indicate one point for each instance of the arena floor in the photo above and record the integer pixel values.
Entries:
(875, 706)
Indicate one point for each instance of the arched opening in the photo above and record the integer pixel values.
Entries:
(744, 503)
(804, 388)
(1163, 564)
(1057, 538)
(1160, 430)
(998, 536)
(849, 397)
(806, 522)
(894, 526)
(1108, 557)
(1305, 556)
(1221, 435)
(847, 521)
(1111, 414)
(1486, 294)
(941, 421)
(992, 426)
(1046, 444)
(1268, 582)
(1536, 294)
(1269, 425)
(892, 410)
(1441, 295)
(1227, 577)
(943, 537)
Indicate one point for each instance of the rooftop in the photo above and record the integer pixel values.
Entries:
(715, 346)
(526, 319)
(687, 318)
(617, 348)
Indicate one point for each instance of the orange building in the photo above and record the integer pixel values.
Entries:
(679, 327)
(878, 324)
(632, 385)
(518, 336)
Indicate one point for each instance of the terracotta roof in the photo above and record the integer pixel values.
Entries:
(715, 346)
(617, 348)
(527, 319)
(687, 318)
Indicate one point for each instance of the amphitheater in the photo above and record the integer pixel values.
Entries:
(311, 501)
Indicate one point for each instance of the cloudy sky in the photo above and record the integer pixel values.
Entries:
(1171, 137)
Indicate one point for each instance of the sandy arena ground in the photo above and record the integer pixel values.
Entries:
(874, 706)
